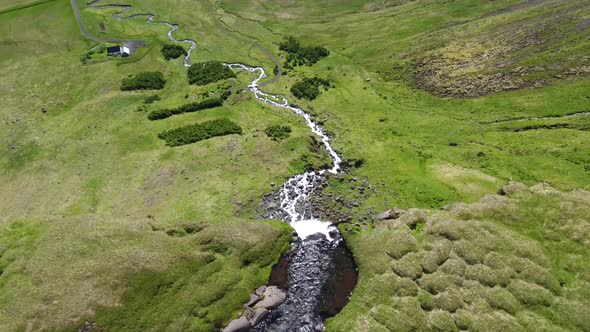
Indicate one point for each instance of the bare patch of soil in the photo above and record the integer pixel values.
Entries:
(501, 59)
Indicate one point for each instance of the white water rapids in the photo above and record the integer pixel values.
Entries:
(298, 188)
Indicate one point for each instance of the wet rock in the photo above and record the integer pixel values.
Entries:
(273, 297)
(258, 315)
(512, 187)
(238, 325)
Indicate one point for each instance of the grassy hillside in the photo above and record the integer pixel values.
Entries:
(501, 264)
(94, 207)
(434, 101)
(441, 101)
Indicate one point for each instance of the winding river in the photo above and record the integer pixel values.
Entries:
(320, 271)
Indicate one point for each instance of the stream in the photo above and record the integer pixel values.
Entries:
(318, 274)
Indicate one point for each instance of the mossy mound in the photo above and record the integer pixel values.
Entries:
(504, 263)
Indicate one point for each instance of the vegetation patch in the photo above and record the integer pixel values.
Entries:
(172, 51)
(186, 108)
(151, 99)
(151, 80)
(494, 61)
(200, 131)
(204, 73)
(309, 88)
(298, 56)
(488, 265)
(278, 132)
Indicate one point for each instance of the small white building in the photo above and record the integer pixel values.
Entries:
(118, 50)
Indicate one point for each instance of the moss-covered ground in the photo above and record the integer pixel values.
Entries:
(505, 263)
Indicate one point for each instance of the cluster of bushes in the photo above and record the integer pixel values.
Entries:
(208, 72)
(186, 108)
(277, 132)
(298, 55)
(151, 99)
(152, 80)
(309, 88)
(200, 131)
(172, 51)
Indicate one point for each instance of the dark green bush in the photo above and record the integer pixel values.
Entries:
(151, 99)
(208, 72)
(200, 131)
(277, 133)
(290, 45)
(153, 80)
(301, 55)
(186, 108)
(172, 51)
(309, 88)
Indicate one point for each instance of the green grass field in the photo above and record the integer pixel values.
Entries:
(100, 221)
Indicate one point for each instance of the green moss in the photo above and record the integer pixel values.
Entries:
(441, 321)
(530, 294)
(500, 298)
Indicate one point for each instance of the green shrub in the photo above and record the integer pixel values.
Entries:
(438, 282)
(401, 243)
(151, 99)
(301, 55)
(277, 133)
(442, 321)
(454, 266)
(530, 294)
(309, 88)
(450, 301)
(172, 51)
(463, 319)
(404, 287)
(200, 131)
(426, 301)
(186, 108)
(486, 275)
(208, 72)
(500, 298)
(153, 80)
(408, 266)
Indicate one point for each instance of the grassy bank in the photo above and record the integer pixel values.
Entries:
(503, 263)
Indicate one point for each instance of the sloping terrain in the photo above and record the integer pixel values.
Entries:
(431, 102)
(505, 263)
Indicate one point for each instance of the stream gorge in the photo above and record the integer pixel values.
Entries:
(318, 273)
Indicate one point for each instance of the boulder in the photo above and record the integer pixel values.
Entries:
(238, 325)
(258, 315)
(512, 187)
(260, 291)
(253, 299)
(273, 297)
(389, 214)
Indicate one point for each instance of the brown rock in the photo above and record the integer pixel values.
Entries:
(389, 214)
(512, 187)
